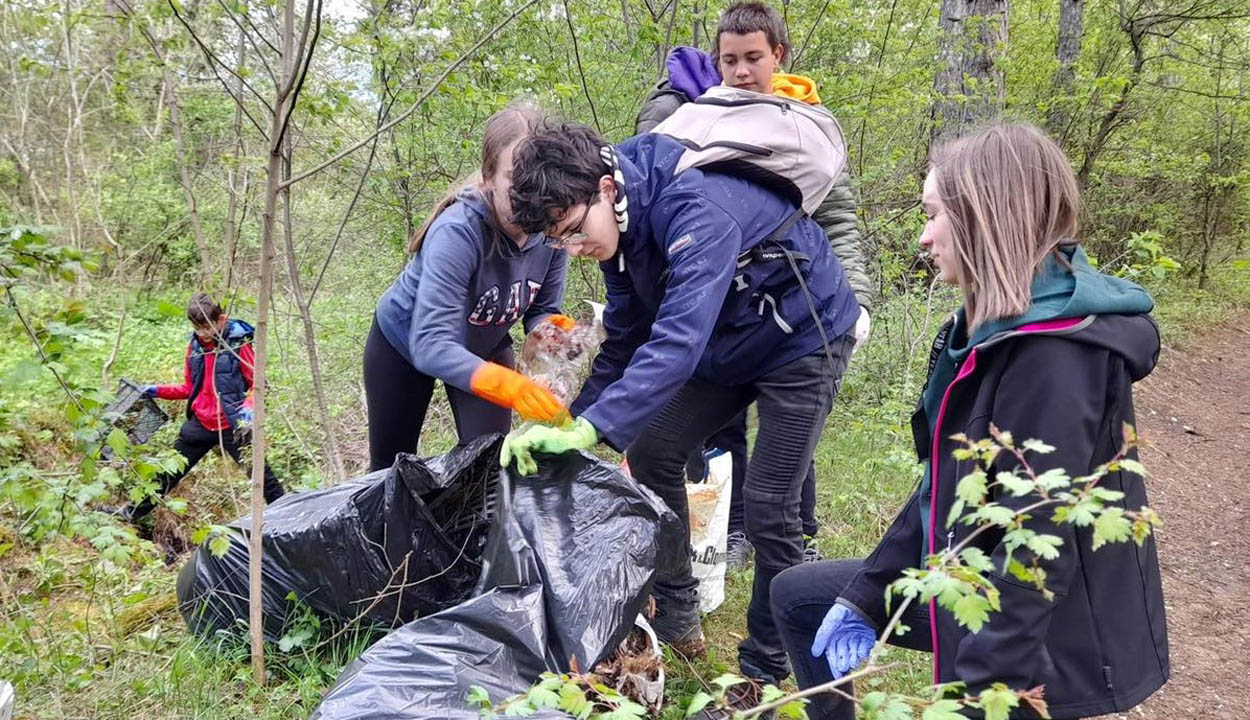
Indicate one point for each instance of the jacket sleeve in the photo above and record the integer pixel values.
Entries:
(551, 295)
(436, 334)
(836, 216)
(660, 103)
(1053, 390)
(900, 549)
(626, 323)
(702, 242)
(178, 391)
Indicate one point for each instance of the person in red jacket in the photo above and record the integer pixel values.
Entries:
(217, 385)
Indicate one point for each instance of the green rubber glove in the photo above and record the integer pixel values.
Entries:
(520, 445)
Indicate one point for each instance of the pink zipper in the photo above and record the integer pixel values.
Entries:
(964, 371)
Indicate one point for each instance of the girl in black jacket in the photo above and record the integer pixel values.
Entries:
(1044, 347)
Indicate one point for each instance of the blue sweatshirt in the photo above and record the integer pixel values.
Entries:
(684, 300)
(460, 294)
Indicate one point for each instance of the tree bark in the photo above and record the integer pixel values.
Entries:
(273, 180)
(1067, 53)
(968, 84)
(233, 174)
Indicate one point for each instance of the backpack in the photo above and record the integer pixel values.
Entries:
(787, 145)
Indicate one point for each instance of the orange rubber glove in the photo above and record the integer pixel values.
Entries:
(509, 388)
(564, 322)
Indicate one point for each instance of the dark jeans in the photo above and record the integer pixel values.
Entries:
(793, 402)
(801, 597)
(193, 443)
(399, 395)
(733, 439)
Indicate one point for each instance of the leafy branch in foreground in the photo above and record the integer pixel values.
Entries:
(957, 577)
(50, 503)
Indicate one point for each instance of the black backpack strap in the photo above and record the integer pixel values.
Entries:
(770, 248)
(774, 238)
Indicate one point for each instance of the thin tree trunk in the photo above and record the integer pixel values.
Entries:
(1114, 117)
(232, 175)
(696, 16)
(310, 333)
(273, 178)
(256, 619)
(1067, 53)
(185, 180)
(71, 122)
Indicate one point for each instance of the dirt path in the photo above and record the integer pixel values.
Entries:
(1194, 413)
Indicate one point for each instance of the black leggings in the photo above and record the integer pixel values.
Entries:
(398, 396)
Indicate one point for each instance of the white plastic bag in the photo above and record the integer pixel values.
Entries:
(7, 700)
(709, 529)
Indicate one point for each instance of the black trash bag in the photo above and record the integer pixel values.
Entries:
(568, 567)
(393, 545)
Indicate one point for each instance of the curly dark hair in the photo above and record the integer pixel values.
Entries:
(557, 167)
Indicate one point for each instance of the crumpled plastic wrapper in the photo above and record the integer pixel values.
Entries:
(560, 359)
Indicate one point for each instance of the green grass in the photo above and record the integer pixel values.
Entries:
(76, 637)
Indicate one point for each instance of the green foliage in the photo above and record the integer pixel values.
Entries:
(582, 696)
(960, 578)
(26, 253)
(1167, 203)
(1144, 256)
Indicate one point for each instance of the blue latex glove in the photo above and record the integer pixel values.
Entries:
(845, 638)
(148, 390)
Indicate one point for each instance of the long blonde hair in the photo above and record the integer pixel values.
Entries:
(1011, 198)
(502, 130)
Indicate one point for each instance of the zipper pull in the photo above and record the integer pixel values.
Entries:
(950, 537)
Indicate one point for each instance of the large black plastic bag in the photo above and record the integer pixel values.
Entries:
(569, 565)
(392, 545)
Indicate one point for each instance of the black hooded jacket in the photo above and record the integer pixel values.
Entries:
(1100, 645)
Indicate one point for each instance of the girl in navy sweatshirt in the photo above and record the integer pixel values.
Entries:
(447, 316)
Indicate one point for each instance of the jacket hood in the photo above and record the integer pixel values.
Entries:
(691, 71)
(1098, 309)
(648, 163)
(796, 87)
(1080, 293)
(238, 329)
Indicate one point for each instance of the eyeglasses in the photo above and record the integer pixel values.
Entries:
(572, 236)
